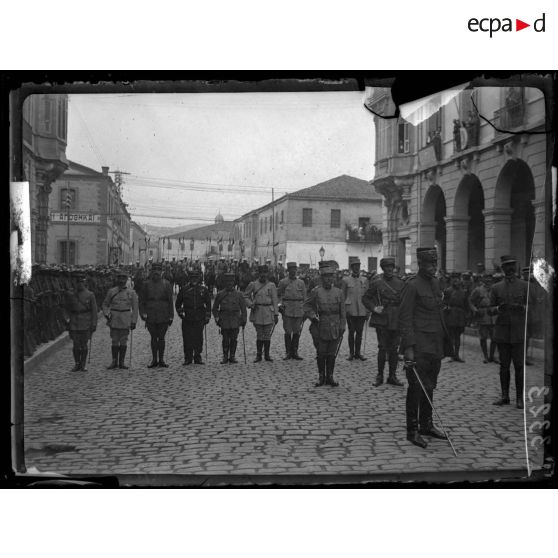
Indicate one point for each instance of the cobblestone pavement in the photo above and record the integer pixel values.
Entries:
(264, 418)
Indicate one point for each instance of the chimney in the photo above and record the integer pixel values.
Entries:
(105, 170)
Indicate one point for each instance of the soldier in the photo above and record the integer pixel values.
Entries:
(292, 294)
(193, 305)
(479, 302)
(81, 308)
(325, 307)
(422, 340)
(229, 311)
(120, 308)
(261, 297)
(353, 288)
(139, 278)
(455, 312)
(508, 301)
(383, 298)
(157, 311)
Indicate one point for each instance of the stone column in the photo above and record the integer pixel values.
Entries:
(457, 245)
(542, 228)
(427, 234)
(497, 237)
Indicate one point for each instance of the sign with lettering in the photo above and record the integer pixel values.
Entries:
(62, 217)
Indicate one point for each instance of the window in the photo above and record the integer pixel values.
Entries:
(307, 217)
(276, 221)
(282, 217)
(335, 218)
(265, 225)
(67, 195)
(363, 222)
(62, 115)
(48, 113)
(403, 138)
(63, 252)
(261, 226)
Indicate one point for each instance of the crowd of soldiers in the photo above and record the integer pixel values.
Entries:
(419, 318)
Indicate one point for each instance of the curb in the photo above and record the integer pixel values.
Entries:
(44, 351)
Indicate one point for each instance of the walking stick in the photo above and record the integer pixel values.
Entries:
(205, 335)
(243, 345)
(339, 344)
(131, 349)
(412, 366)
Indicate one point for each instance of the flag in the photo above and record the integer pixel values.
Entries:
(169, 245)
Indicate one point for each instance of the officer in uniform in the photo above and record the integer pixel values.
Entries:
(325, 308)
(422, 340)
(156, 309)
(120, 308)
(456, 302)
(354, 287)
(81, 308)
(261, 297)
(508, 302)
(292, 294)
(193, 305)
(479, 302)
(229, 311)
(383, 298)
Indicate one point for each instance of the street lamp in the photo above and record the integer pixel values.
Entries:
(322, 252)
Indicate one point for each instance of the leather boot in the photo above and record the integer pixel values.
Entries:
(330, 367)
(492, 351)
(154, 350)
(77, 359)
(379, 379)
(392, 376)
(232, 352)
(121, 357)
(415, 438)
(266, 345)
(321, 371)
(226, 345)
(519, 402)
(114, 363)
(428, 429)
(162, 363)
(198, 359)
(83, 359)
(294, 347)
(505, 386)
(484, 350)
(288, 342)
(358, 344)
(259, 348)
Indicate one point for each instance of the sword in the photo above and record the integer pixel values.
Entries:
(412, 366)
(339, 344)
(243, 345)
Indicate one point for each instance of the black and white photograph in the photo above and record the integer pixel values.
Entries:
(282, 281)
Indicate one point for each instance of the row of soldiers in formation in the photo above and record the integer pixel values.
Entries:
(414, 316)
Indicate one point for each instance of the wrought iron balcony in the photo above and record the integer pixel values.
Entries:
(369, 233)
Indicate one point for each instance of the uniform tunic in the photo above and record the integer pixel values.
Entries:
(194, 303)
(354, 289)
(262, 299)
(387, 293)
(229, 308)
(456, 300)
(292, 294)
(156, 301)
(82, 308)
(121, 309)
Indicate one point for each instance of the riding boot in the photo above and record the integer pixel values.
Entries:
(519, 387)
(288, 341)
(225, 345)
(492, 351)
(259, 348)
(321, 371)
(232, 351)
(392, 377)
(114, 363)
(426, 426)
(294, 347)
(358, 344)
(197, 357)
(77, 359)
(381, 365)
(121, 357)
(484, 349)
(351, 345)
(83, 359)
(154, 350)
(413, 434)
(330, 367)
(505, 386)
(266, 345)
(161, 347)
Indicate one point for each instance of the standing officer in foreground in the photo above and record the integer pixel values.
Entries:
(193, 305)
(508, 302)
(120, 308)
(292, 294)
(325, 307)
(82, 308)
(383, 298)
(422, 339)
(156, 309)
(261, 297)
(354, 287)
(229, 311)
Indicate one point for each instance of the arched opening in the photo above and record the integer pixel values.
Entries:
(433, 225)
(469, 204)
(515, 190)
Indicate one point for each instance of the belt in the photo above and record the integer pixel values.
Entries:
(258, 304)
(328, 313)
(119, 310)
(293, 300)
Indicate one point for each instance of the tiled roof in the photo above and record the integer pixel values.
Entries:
(214, 231)
(341, 187)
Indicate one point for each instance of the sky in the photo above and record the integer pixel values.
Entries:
(192, 155)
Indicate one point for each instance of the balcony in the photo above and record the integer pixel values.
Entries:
(512, 114)
(368, 233)
(397, 165)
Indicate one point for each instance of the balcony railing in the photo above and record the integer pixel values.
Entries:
(511, 116)
(369, 233)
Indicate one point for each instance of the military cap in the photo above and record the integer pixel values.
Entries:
(156, 267)
(427, 254)
(466, 275)
(195, 272)
(387, 261)
(229, 276)
(326, 268)
(263, 269)
(120, 273)
(291, 265)
(507, 259)
(353, 260)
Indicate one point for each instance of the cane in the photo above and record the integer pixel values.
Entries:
(412, 366)
(131, 349)
(205, 335)
(339, 344)
(244, 345)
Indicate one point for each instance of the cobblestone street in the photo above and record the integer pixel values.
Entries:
(264, 418)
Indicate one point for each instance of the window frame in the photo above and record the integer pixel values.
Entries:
(307, 212)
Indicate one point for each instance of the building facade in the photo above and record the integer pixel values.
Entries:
(333, 220)
(88, 221)
(468, 178)
(44, 133)
(139, 244)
